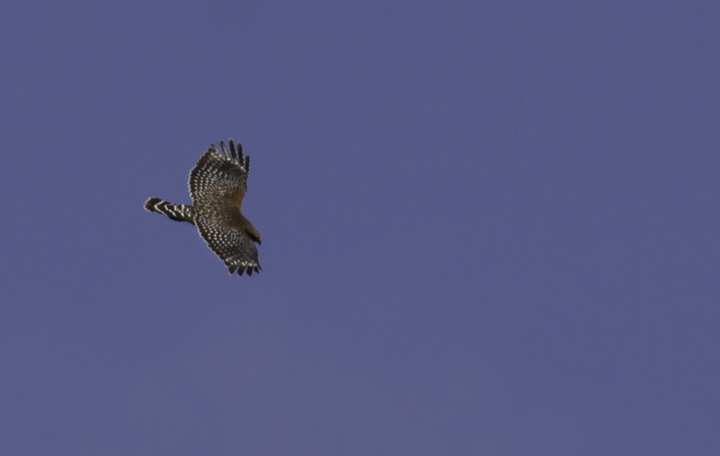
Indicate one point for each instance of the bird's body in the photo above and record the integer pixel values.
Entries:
(218, 184)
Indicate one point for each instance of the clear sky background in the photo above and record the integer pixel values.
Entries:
(489, 228)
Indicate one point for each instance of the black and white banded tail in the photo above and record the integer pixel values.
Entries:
(177, 212)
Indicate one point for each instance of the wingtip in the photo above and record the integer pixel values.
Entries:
(233, 151)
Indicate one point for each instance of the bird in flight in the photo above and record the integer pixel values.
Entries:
(217, 184)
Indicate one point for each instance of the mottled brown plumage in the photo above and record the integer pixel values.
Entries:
(217, 185)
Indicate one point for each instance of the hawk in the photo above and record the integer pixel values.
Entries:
(217, 184)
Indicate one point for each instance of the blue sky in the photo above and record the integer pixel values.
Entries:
(488, 228)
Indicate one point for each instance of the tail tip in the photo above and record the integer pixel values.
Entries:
(151, 203)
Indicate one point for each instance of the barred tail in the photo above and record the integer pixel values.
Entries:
(177, 212)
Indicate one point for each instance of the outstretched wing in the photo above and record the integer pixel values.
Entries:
(232, 245)
(220, 175)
